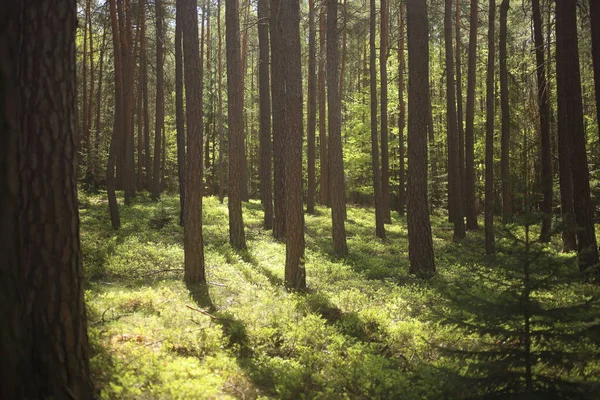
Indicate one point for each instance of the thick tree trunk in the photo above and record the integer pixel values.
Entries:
(379, 212)
(470, 119)
(455, 203)
(285, 23)
(179, 112)
(118, 124)
(312, 108)
(336, 161)
(385, 154)
(505, 109)
(570, 116)
(160, 101)
(49, 272)
(323, 159)
(544, 104)
(235, 105)
(266, 190)
(489, 133)
(401, 112)
(420, 242)
(192, 228)
(278, 71)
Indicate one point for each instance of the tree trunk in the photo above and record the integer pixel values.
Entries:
(312, 108)
(192, 227)
(146, 116)
(49, 273)
(89, 111)
(470, 118)
(570, 112)
(266, 190)
(81, 131)
(459, 106)
(92, 164)
(455, 203)
(244, 64)
(235, 106)
(385, 156)
(278, 71)
(160, 101)
(401, 112)
(323, 159)
(138, 98)
(118, 121)
(505, 109)
(208, 184)
(336, 160)
(544, 104)
(220, 106)
(379, 212)
(285, 23)
(179, 112)
(489, 134)
(420, 243)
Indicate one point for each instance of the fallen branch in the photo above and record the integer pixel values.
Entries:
(208, 314)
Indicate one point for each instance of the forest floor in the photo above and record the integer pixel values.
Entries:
(364, 329)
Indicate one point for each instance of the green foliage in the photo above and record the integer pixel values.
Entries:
(536, 325)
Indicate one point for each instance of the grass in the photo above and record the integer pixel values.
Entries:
(365, 329)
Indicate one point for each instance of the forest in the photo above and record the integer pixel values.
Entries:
(285, 199)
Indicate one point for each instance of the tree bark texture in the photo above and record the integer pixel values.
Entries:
(489, 133)
(312, 108)
(505, 109)
(160, 100)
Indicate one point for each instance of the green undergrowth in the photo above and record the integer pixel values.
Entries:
(365, 329)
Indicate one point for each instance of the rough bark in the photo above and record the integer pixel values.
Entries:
(266, 189)
(505, 110)
(470, 118)
(336, 161)
(278, 71)
(379, 212)
(570, 112)
(455, 202)
(235, 106)
(160, 101)
(420, 242)
(385, 153)
(179, 113)
(489, 133)
(312, 108)
(595, 25)
(49, 273)
(401, 112)
(544, 104)
(192, 228)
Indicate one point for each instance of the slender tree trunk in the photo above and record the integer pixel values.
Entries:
(192, 228)
(401, 111)
(160, 101)
(48, 269)
(420, 242)
(179, 112)
(385, 156)
(89, 111)
(244, 64)
(344, 51)
(470, 118)
(220, 105)
(377, 192)
(207, 120)
(455, 202)
(118, 121)
(138, 98)
(505, 108)
(97, 121)
(145, 113)
(236, 125)
(278, 71)
(459, 105)
(570, 116)
(81, 131)
(265, 113)
(595, 25)
(544, 104)
(323, 161)
(336, 161)
(285, 23)
(489, 134)
(312, 108)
